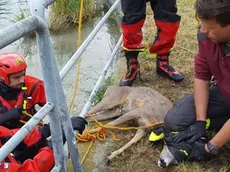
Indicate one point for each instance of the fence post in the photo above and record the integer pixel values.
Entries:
(55, 93)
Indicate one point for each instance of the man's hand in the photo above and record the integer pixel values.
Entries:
(45, 130)
(199, 152)
(78, 123)
(13, 114)
(193, 133)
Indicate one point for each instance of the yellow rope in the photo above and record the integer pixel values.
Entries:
(87, 152)
(79, 60)
(100, 133)
(123, 128)
(77, 79)
(29, 115)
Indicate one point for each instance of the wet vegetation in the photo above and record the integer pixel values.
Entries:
(21, 15)
(65, 13)
(23, 11)
(108, 81)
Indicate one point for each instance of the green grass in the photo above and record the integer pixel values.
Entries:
(65, 13)
(102, 89)
(21, 15)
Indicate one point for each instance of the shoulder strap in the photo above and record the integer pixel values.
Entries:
(33, 88)
(4, 104)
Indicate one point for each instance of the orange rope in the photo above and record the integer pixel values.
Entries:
(87, 152)
(100, 133)
(29, 115)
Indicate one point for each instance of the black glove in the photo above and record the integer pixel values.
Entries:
(193, 133)
(198, 152)
(29, 152)
(13, 114)
(78, 123)
(158, 129)
(183, 145)
(45, 130)
(179, 150)
(50, 144)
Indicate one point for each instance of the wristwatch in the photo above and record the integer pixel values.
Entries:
(213, 149)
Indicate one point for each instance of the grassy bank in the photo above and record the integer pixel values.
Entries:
(64, 13)
(142, 157)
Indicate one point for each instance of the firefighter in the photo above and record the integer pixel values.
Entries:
(42, 161)
(34, 153)
(18, 91)
(167, 21)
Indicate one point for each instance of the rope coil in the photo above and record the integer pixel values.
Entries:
(101, 133)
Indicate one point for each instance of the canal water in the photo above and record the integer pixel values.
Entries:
(65, 45)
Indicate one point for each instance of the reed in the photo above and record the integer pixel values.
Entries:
(64, 13)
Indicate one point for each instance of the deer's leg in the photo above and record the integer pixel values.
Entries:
(126, 117)
(106, 115)
(106, 105)
(139, 134)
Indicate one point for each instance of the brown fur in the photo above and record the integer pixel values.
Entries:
(141, 105)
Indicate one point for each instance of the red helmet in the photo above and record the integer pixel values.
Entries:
(11, 63)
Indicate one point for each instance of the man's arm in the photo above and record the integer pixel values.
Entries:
(42, 162)
(201, 97)
(11, 115)
(202, 77)
(32, 138)
(223, 136)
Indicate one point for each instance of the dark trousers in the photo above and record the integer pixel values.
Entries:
(135, 10)
(183, 114)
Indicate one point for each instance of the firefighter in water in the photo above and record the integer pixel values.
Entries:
(167, 21)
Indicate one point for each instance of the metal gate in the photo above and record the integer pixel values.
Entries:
(56, 105)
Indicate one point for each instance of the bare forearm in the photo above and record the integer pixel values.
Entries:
(201, 96)
(223, 136)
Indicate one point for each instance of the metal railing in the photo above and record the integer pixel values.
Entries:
(24, 131)
(84, 45)
(56, 106)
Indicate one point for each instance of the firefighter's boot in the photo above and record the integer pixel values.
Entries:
(132, 71)
(164, 69)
